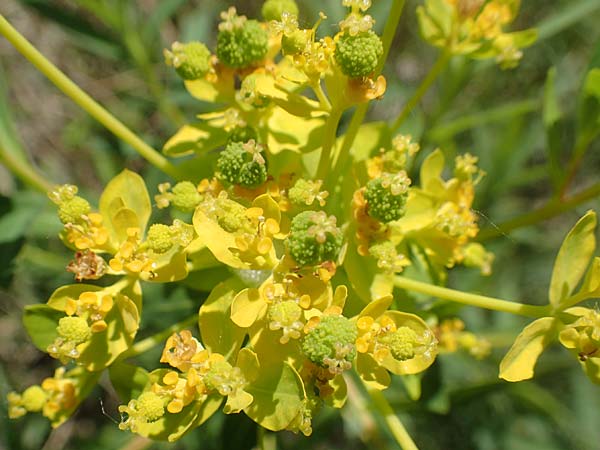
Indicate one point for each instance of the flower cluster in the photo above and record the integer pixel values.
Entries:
(304, 237)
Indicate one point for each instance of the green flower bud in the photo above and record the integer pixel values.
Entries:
(357, 56)
(273, 9)
(191, 60)
(242, 164)
(159, 238)
(386, 196)
(295, 42)
(331, 343)
(150, 406)
(70, 211)
(73, 329)
(34, 398)
(305, 192)
(401, 343)
(243, 45)
(231, 216)
(185, 196)
(314, 238)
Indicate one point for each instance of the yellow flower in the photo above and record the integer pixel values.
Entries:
(61, 394)
(92, 306)
(400, 342)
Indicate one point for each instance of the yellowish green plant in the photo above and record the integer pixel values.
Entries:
(317, 234)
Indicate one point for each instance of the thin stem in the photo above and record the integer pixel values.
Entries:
(579, 151)
(490, 115)
(466, 298)
(266, 440)
(389, 32)
(146, 344)
(331, 127)
(323, 100)
(82, 99)
(391, 419)
(435, 71)
(24, 171)
(553, 208)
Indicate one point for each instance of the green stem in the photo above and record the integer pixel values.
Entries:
(389, 32)
(391, 419)
(553, 208)
(159, 338)
(266, 440)
(466, 298)
(24, 171)
(82, 99)
(496, 114)
(330, 132)
(323, 100)
(435, 71)
(579, 151)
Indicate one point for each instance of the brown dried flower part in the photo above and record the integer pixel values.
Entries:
(87, 265)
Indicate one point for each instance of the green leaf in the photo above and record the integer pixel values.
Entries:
(219, 333)
(125, 191)
(59, 297)
(519, 362)
(200, 137)
(128, 380)
(573, 258)
(40, 322)
(588, 115)
(553, 122)
(591, 283)
(278, 395)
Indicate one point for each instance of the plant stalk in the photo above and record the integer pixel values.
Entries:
(466, 298)
(152, 341)
(553, 208)
(24, 171)
(391, 419)
(435, 71)
(68, 87)
(358, 117)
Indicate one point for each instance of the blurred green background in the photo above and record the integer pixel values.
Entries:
(113, 50)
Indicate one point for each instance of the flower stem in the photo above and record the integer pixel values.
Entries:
(579, 151)
(266, 440)
(24, 171)
(146, 344)
(330, 132)
(82, 99)
(391, 419)
(389, 32)
(554, 207)
(435, 71)
(466, 298)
